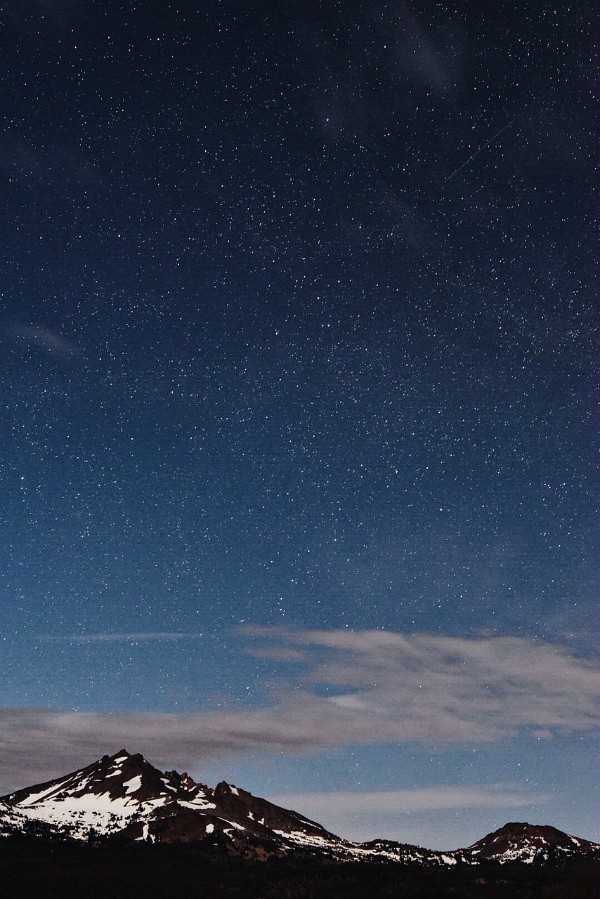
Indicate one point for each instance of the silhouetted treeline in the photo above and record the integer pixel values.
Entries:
(54, 869)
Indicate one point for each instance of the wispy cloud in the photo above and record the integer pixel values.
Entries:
(355, 687)
(124, 637)
(44, 338)
(403, 813)
(412, 57)
(433, 63)
(425, 686)
(399, 802)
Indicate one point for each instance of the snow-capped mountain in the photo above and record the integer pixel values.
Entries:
(124, 797)
(531, 843)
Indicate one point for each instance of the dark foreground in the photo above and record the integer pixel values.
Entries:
(30, 868)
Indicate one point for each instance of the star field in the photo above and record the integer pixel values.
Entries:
(299, 334)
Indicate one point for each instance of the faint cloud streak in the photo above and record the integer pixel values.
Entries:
(399, 802)
(134, 637)
(39, 336)
(367, 815)
(354, 688)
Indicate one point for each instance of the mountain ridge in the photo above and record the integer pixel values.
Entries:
(123, 797)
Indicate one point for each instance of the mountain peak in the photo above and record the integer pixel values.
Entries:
(521, 841)
(125, 794)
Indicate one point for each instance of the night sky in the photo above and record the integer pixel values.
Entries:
(298, 441)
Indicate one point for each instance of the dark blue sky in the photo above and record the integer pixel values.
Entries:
(298, 330)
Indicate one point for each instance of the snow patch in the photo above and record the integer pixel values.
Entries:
(168, 785)
(38, 797)
(199, 802)
(134, 784)
(232, 824)
(298, 836)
